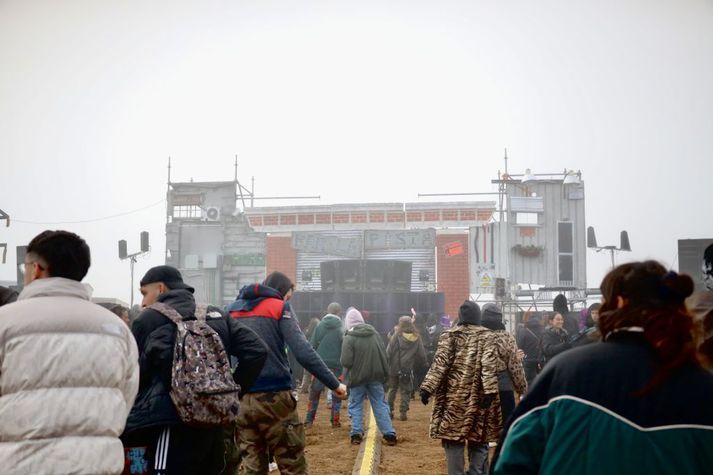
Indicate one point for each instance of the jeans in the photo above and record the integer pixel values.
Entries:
(477, 455)
(315, 392)
(375, 393)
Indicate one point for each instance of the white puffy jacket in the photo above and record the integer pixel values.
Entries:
(68, 377)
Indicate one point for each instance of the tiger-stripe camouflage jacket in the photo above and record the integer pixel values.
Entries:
(464, 370)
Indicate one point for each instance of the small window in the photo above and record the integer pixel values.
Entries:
(566, 268)
(526, 218)
(564, 233)
(187, 211)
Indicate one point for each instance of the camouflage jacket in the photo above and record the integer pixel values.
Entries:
(509, 361)
(464, 370)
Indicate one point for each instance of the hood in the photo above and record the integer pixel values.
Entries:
(251, 295)
(493, 322)
(353, 318)
(411, 337)
(331, 321)
(362, 330)
(181, 300)
(56, 287)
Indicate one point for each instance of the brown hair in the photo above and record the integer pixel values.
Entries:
(406, 325)
(654, 300)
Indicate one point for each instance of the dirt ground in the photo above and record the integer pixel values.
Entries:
(329, 452)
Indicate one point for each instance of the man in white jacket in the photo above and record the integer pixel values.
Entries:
(68, 368)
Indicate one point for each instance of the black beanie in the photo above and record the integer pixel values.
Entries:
(469, 313)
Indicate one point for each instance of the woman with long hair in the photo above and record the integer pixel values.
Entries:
(637, 403)
(555, 338)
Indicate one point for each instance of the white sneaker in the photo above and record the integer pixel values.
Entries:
(272, 467)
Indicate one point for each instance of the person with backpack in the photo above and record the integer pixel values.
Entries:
(180, 426)
(405, 354)
(268, 419)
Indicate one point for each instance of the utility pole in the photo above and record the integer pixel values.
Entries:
(132, 258)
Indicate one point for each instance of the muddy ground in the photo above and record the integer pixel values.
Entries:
(330, 453)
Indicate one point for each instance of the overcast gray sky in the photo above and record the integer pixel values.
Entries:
(365, 101)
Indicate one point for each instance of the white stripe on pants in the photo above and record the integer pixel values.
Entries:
(161, 456)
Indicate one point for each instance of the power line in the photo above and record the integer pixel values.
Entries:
(162, 200)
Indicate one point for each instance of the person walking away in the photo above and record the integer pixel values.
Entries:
(327, 341)
(69, 368)
(172, 445)
(529, 340)
(364, 356)
(642, 386)
(405, 354)
(555, 338)
(463, 380)
(268, 419)
(511, 375)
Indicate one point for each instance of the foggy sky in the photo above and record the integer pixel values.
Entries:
(354, 101)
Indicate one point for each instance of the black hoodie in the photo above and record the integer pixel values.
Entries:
(155, 336)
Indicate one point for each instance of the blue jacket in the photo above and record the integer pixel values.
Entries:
(583, 416)
(262, 309)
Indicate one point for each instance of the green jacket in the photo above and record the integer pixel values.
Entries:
(327, 340)
(364, 356)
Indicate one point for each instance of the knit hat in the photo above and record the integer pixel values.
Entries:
(353, 318)
(469, 313)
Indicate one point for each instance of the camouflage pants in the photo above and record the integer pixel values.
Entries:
(268, 422)
(405, 384)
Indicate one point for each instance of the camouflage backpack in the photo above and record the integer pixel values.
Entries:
(202, 386)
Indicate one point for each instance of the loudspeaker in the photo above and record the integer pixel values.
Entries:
(378, 275)
(349, 275)
(401, 280)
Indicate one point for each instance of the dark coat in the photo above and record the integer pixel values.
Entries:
(405, 353)
(155, 337)
(554, 342)
(327, 340)
(529, 340)
(583, 415)
(364, 356)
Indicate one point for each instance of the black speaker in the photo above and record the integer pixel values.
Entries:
(401, 280)
(378, 275)
(349, 275)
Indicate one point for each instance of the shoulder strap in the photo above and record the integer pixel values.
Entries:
(168, 312)
(201, 312)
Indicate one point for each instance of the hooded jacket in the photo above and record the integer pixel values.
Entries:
(405, 353)
(262, 309)
(364, 356)
(156, 335)
(554, 341)
(327, 340)
(69, 377)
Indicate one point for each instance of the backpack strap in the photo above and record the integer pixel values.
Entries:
(168, 312)
(201, 312)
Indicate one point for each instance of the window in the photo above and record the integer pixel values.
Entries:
(565, 250)
(187, 211)
(526, 218)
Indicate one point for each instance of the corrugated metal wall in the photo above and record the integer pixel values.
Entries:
(542, 270)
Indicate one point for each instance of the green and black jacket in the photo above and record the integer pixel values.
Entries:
(581, 416)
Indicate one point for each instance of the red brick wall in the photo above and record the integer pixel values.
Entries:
(453, 276)
(281, 256)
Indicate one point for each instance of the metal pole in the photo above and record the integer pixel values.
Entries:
(612, 258)
(133, 260)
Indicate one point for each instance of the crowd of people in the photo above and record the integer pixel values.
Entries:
(622, 386)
